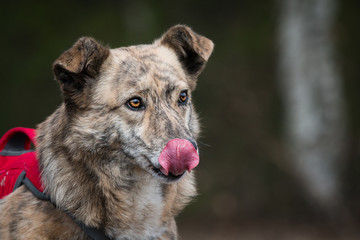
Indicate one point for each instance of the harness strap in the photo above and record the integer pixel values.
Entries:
(22, 179)
(18, 141)
(93, 233)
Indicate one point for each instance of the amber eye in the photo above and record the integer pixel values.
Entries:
(183, 97)
(135, 103)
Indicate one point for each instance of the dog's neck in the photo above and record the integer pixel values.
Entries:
(116, 196)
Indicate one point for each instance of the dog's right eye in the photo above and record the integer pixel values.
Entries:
(135, 104)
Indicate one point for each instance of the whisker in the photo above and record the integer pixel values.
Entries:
(204, 144)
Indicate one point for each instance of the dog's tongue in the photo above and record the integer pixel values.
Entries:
(178, 156)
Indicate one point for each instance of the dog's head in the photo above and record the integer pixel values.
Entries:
(135, 100)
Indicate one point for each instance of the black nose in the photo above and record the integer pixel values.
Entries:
(193, 143)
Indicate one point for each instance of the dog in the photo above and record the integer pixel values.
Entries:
(117, 155)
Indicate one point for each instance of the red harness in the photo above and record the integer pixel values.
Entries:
(18, 163)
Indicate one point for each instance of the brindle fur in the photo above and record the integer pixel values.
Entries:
(97, 156)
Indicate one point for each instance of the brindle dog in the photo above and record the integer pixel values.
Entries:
(117, 154)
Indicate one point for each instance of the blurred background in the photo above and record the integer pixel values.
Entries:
(278, 100)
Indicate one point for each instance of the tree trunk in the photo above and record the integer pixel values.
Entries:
(312, 96)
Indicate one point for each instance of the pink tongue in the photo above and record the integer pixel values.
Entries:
(178, 156)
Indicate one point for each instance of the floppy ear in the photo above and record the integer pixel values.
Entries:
(192, 49)
(78, 65)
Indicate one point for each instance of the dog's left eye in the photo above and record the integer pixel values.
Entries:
(135, 104)
(183, 97)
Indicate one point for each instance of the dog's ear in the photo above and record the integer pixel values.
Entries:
(192, 49)
(79, 65)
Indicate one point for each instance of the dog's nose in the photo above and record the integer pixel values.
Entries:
(178, 156)
(193, 143)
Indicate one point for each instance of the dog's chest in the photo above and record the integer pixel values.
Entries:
(148, 197)
(146, 207)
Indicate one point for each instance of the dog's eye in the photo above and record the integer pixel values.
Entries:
(135, 103)
(183, 97)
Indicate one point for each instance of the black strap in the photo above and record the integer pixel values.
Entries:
(17, 142)
(22, 179)
(19, 180)
(6, 152)
(15, 145)
(93, 233)
(35, 191)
